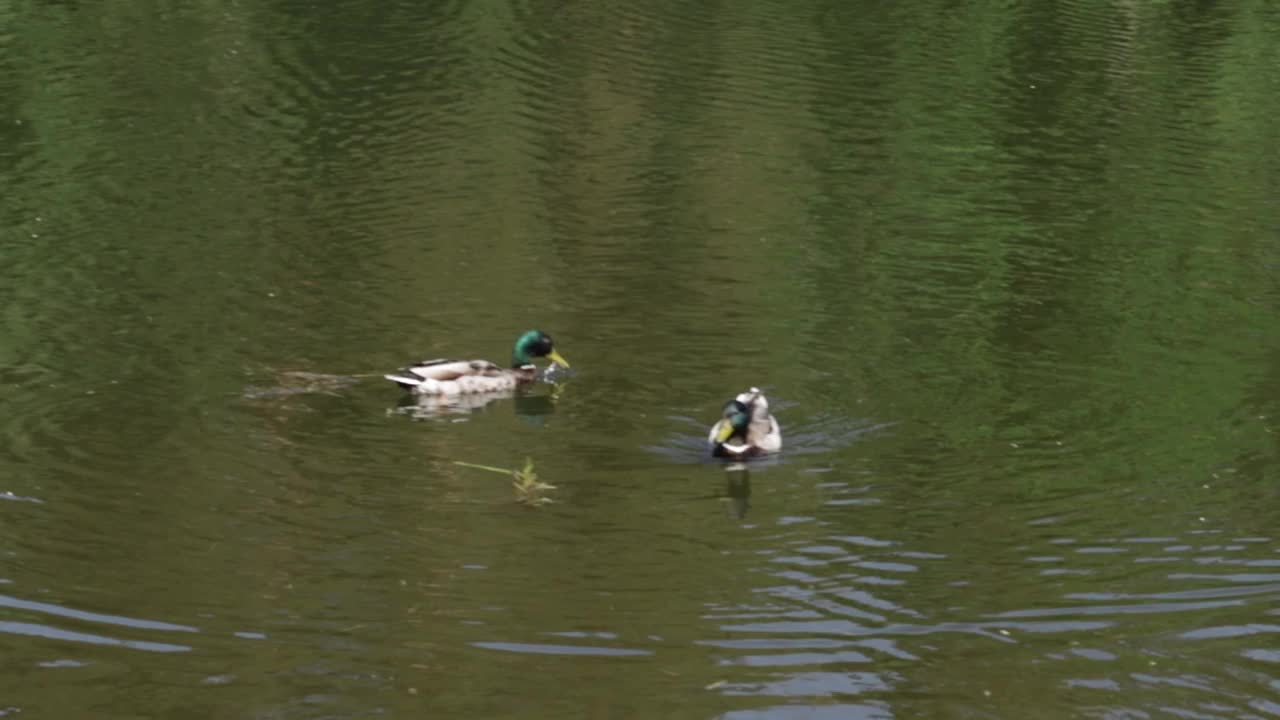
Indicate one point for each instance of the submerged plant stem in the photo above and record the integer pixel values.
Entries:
(490, 468)
(524, 481)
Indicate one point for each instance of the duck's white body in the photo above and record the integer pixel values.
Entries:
(461, 377)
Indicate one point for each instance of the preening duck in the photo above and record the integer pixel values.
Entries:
(747, 429)
(465, 377)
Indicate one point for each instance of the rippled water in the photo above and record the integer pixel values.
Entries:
(1009, 275)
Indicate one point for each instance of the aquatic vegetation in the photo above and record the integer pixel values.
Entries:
(528, 488)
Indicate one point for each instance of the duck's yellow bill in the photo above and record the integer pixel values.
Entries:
(557, 358)
(725, 432)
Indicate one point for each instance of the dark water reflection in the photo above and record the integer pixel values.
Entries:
(1009, 275)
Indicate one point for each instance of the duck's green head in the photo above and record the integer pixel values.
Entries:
(737, 416)
(535, 344)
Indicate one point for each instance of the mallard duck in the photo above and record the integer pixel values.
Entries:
(465, 377)
(747, 429)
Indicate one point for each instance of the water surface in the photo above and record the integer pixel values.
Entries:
(1007, 273)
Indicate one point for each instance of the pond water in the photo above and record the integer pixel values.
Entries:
(1009, 274)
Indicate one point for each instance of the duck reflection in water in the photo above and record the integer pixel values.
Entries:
(531, 404)
(737, 489)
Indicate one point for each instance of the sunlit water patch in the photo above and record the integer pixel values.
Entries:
(47, 630)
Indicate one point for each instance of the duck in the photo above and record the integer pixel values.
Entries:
(746, 429)
(466, 377)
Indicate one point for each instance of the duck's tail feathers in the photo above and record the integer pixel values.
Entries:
(407, 383)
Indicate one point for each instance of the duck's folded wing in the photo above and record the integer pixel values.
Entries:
(765, 434)
(451, 369)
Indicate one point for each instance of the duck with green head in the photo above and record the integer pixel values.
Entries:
(466, 377)
(747, 429)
